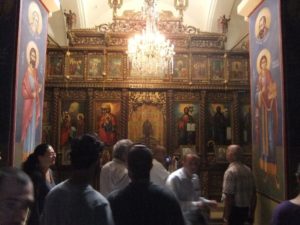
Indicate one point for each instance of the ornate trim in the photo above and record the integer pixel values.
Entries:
(137, 99)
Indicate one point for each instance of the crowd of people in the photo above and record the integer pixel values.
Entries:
(135, 189)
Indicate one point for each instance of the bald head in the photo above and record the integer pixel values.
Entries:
(159, 153)
(234, 153)
(191, 163)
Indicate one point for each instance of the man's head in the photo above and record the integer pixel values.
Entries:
(262, 23)
(121, 148)
(85, 151)
(16, 196)
(139, 162)
(159, 153)
(190, 163)
(218, 109)
(186, 110)
(32, 56)
(233, 153)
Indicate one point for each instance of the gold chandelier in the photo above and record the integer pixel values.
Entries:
(150, 53)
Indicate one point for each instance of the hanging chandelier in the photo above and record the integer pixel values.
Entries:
(149, 52)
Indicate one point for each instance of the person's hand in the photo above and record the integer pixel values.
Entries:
(212, 204)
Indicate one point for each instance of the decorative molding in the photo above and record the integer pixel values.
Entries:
(108, 95)
(137, 99)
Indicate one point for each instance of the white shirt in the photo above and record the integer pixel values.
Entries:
(158, 173)
(186, 189)
(113, 176)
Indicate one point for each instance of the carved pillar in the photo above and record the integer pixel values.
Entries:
(55, 119)
(235, 124)
(170, 121)
(91, 119)
(124, 114)
(202, 124)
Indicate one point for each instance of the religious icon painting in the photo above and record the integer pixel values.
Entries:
(238, 69)
(72, 125)
(218, 125)
(186, 115)
(115, 65)
(262, 24)
(107, 117)
(35, 19)
(181, 67)
(217, 68)
(200, 67)
(76, 64)
(55, 64)
(95, 65)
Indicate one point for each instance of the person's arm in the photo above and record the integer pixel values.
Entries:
(173, 184)
(228, 195)
(228, 203)
(252, 207)
(103, 215)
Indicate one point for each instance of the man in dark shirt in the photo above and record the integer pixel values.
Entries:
(142, 202)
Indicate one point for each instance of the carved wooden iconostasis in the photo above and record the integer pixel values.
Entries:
(202, 106)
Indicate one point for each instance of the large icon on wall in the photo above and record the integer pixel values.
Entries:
(30, 76)
(186, 115)
(107, 116)
(72, 124)
(267, 100)
(218, 125)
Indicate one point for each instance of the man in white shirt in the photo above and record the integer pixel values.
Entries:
(114, 174)
(185, 184)
(158, 173)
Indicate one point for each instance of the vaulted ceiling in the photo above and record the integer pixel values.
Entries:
(202, 14)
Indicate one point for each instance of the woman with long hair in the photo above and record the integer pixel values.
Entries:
(37, 166)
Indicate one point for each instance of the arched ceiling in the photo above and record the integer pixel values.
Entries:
(202, 14)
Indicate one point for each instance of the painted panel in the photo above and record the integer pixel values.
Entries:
(267, 99)
(30, 78)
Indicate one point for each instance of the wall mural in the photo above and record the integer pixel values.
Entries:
(267, 99)
(30, 78)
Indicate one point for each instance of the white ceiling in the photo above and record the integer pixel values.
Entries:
(202, 14)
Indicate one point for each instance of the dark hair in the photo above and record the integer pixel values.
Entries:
(139, 161)
(85, 150)
(32, 162)
(14, 174)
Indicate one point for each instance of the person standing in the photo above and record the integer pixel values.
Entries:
(238, 194)
(74, 201)
(158, 173)
(37, 166)
(114, 174)
(288, 212)
(184, 183)
(141, 202)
